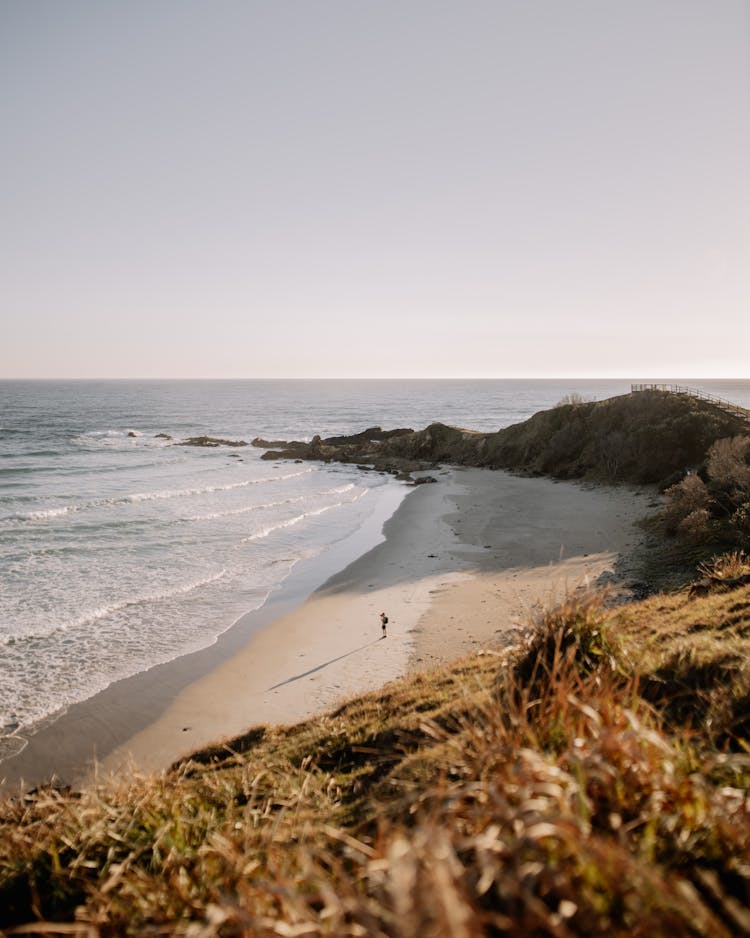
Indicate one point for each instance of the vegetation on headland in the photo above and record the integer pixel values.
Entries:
(646, 437)
(713, 503)
(591, 781)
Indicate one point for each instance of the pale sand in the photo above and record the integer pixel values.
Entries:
(464, 563)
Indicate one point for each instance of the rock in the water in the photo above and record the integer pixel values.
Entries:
(267, 444)
(211, 441)
(162, 436)
(371, 435)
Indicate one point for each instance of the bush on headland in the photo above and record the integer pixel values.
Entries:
(592, 781)
(716, 502)
(643, 438)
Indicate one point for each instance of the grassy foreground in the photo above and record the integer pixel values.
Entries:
(593, 781)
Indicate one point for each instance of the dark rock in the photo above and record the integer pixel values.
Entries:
(162, 436)
(132, 433)
(211, 441)
(424, 480)
(714, 584)
(640, 589)
(371, 435)
(260, 443)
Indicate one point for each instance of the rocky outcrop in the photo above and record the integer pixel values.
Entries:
(267, 444)
(366, 441)
(399, 452)
(645, 437)
(211, 442)
(371, 435)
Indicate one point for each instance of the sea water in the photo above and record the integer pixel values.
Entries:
(121, 548)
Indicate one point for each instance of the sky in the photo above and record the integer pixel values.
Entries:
(374, 188)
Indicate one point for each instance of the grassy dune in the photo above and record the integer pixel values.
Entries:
(592, 781)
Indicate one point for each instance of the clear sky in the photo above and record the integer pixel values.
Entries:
(374, 188)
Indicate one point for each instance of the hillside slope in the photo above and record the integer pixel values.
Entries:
(593, 782)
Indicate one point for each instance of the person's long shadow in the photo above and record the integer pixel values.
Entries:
(298, 677)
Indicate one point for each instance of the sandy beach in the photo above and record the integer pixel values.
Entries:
(464, 563)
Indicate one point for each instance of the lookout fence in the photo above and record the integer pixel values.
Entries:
(728, 407)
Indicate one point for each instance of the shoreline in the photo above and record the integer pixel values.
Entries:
(65, 744)
(463, 565)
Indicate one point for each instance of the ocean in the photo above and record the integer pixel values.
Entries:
(121, 549)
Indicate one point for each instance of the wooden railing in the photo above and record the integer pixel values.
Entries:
(728, 406)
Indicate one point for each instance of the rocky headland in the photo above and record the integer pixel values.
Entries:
(642, 437)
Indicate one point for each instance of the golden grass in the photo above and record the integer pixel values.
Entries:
(691, 652)
(545, 791)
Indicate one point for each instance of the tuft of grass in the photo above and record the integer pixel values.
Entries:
(692, 651)
(574, 633)
(727, 570)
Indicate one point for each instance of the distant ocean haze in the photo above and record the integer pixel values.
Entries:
(120, 549)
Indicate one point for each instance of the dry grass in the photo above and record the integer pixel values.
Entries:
(546, 792)
(727, 570)
(719, 508)
(691, 651)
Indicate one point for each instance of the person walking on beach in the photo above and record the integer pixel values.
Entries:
(383, 622)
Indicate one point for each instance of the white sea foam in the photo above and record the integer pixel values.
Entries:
(118, 437)
(204, 490)
(246, 509)
(182, 493)
(159, 495)
(91, 616)
(291, 522)
(41, 514)
(98, 617)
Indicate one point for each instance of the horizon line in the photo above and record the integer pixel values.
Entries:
(661, 379)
